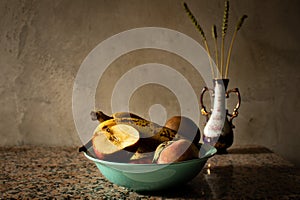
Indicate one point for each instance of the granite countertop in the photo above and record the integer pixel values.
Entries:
(246, 172)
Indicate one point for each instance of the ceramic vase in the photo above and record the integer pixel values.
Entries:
(218, 130)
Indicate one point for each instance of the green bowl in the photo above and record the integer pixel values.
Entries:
(150, 177)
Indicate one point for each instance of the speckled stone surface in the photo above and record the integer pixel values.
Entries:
(63, 173)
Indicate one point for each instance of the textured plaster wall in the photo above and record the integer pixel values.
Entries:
(44, 42)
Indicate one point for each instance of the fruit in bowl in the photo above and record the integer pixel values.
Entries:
(185, 127)
(136, 153)
(129, 132)
(109, 144)
(175, 151)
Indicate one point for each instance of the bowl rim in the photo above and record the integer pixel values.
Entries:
(209, 152)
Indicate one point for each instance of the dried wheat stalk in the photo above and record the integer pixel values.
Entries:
(224, 31)
(237, 28)
(197, 25)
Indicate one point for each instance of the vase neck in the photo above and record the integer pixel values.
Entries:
(223, 81)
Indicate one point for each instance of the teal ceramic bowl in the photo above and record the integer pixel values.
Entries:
(150, 177)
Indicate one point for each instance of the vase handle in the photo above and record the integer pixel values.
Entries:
(235, 112)
(203, 107)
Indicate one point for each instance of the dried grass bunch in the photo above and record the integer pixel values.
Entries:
(222, 67)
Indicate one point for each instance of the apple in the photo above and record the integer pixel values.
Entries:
(109, 144)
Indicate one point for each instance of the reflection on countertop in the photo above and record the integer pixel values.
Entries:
(246, 172)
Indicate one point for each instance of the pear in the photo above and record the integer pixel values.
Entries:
(185, 128)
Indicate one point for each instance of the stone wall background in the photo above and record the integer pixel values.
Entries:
(44, 42)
